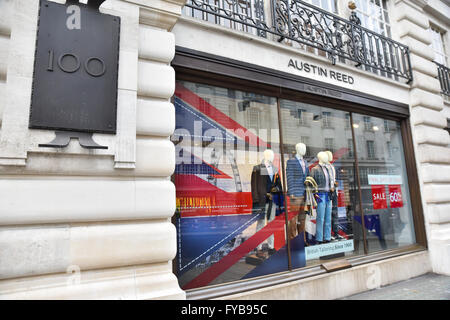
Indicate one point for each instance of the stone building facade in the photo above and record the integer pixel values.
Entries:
(80, 223)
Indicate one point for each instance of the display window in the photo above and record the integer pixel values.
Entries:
(320, 189)
(230, 203)
(266, 185)
(384, 183)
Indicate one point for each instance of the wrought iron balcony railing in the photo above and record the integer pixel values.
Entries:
(244, 15)
(444, 78)
(309, 25)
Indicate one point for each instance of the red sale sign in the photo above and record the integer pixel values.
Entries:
(395, 196)
(341, 198)
(379, 197)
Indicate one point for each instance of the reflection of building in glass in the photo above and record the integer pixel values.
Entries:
(378, 152)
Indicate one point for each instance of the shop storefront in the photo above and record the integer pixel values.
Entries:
(280, 149)
(279, 174)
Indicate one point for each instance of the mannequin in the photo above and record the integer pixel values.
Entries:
(323, 176)
(268, 156)
(296, 172)
(331, 167)
(334, 199)
(300, 149)
(265, 184)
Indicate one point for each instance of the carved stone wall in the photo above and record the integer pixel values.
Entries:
(90, 224)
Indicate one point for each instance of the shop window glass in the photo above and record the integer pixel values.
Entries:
(234, 187)
(230, 207)
(336, 237)
(384, 185)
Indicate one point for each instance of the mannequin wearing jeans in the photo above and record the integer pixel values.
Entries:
(334, 198)
(323, 177)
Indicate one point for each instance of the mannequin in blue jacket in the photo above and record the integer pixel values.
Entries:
(296, 172)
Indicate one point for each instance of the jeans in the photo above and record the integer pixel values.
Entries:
(323, 220)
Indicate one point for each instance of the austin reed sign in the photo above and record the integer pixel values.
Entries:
(320, 71)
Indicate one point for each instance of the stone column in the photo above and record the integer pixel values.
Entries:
(90, 224)
(430, 140)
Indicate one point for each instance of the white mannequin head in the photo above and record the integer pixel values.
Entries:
(268, 155)
(330, 156)
(323, 157)
(300, 148)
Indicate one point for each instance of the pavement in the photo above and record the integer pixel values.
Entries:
(429, 286)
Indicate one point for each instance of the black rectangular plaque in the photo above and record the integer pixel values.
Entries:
(76, 68)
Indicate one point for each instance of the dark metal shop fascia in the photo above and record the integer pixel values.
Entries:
(309, 25)
(444, 78)
(220, 71)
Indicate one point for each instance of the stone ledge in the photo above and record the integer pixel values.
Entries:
(404, 10)
(425, 116)
(155, 281)
(426, 99)
(436, 193)
(411, 29)
(435, 173)
(159, 14)
(99, 166)
(146, 122)
(161, 83)
(426, 82)
(418, 47)
(156, 45)
(423, 65)
(52, 248)
(73, 199)
(439, 213)
(346, 282)
(431, 135)
(433, 154)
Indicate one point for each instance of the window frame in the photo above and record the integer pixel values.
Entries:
(329, 144)
(330, 5)
(437, 33)
(371, 152)
(366, 15)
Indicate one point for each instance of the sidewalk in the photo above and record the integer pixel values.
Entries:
(430, 286)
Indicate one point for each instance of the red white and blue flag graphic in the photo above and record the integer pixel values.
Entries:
(215, 221)
(213, 200)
